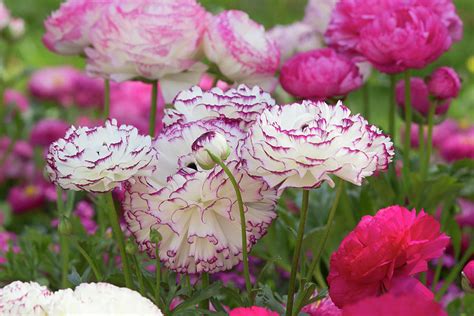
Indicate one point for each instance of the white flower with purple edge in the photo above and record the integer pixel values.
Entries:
(301, 145)
(98, 159)
(24, 298)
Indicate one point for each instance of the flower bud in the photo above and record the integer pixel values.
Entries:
(16, 28)
(214, 143)
(65, 226)
(444, 83)
(468, 277)
(155, 236)
(131, 247)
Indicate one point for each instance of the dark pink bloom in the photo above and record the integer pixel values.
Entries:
(86, 213)
(408, 304)
(18, 163)
(469, 272)
(88, 92)
(466, 217)
(320, 74)
(445, 131)
(252, 311)
(47, 131)
(395, 242)
(15, 98)
(324, 307)
(458, 146)
(444, 83)
(25, 198)
(420, 100)
(401, 39)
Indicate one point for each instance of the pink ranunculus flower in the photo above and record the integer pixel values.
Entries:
(444, 131)
(444, 83)
(458, 146)
(468, 272)
(68, 29)
(324, 307)
(402, 39)
(395, 242)
(15, 98)
(466, 217)
(18, 164)
(88, 92)
(156, 40)
(47, 131)
(26, 198)
(420, 98)
(408, 304)
(320, 74)
(241, 49)
(252, 311)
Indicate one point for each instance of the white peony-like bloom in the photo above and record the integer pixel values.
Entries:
(318, 14)
(98, 159)
(207, 144)
(100, 299)
(242, 103)
(24, 298)
(241, 49)
(196, 210)
(301, 145)
(156, 40)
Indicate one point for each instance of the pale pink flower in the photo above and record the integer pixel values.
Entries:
(4, 16)
(318, 14)
(15, 98)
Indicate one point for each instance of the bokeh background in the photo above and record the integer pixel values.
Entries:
(271, 12)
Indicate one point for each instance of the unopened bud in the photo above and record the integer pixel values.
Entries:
(131, 247)
(155, 236)
(214, 143)
(65, 226)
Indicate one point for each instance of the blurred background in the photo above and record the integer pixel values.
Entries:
(270, 13)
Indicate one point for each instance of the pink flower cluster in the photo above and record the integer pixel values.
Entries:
(394, 35)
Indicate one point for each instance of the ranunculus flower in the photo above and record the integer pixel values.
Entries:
(408, 304)
(394, 243)
(318, 14)
(252, 311)
(241, 49)
(301, 145)
(351, 17)
(47, 131)
(68, 29)
(406, 38)
(26, 198)
(458, 146)
(196, 210)
(54, 84)
(98, 159)
(420, 99)
(295, 38)
(156, 40)
(466, 216)
(88, 92)
(444, 131)
(22, 298)
(18, 163)
(324, 307)
(243, 104)
(15, 98)
(468, 272)
(444, 83)
(320, 74)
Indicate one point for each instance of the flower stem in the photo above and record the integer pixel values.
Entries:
(205, 283)
(97, 274)
(64, 244)
(366, 97)
(115, 223)
(407, 143)
(158, 275)
(106, 98)
(297, 253)
(325, 237)
(429, 141)
(245, 260)
(154, 100)
(392, 109)
(139, 274)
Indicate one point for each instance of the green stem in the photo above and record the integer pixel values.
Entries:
(327, 230)
(106, 98)
(115, 223)
(429, 141)
(157, 275)
(154, 100)
(139, 274)
(392, 109)
(439, 268)
(205, 283)
(97, 274)
(64, 244)
(243, 228)
(407, 143)
(297, 253)
(454, 272)
(366, 97)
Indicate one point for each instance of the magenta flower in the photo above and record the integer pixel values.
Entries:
(15, 98)
(444, 83)
(47, 131)
(19, 163)
(252, 311)
(458, 146)
(420, 98)
(466, 216)
(324, 307)
(393, 243)
(68, 29)
(88, 92)
(241, 49)
(468, 272)
(320, 74)
(26, 198)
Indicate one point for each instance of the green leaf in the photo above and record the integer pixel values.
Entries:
(200, 295)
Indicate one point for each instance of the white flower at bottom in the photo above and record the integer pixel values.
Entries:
(301, 145)
(23, 298)
(100, 299)
(207, 144)
(198, 218)
(98, 159)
